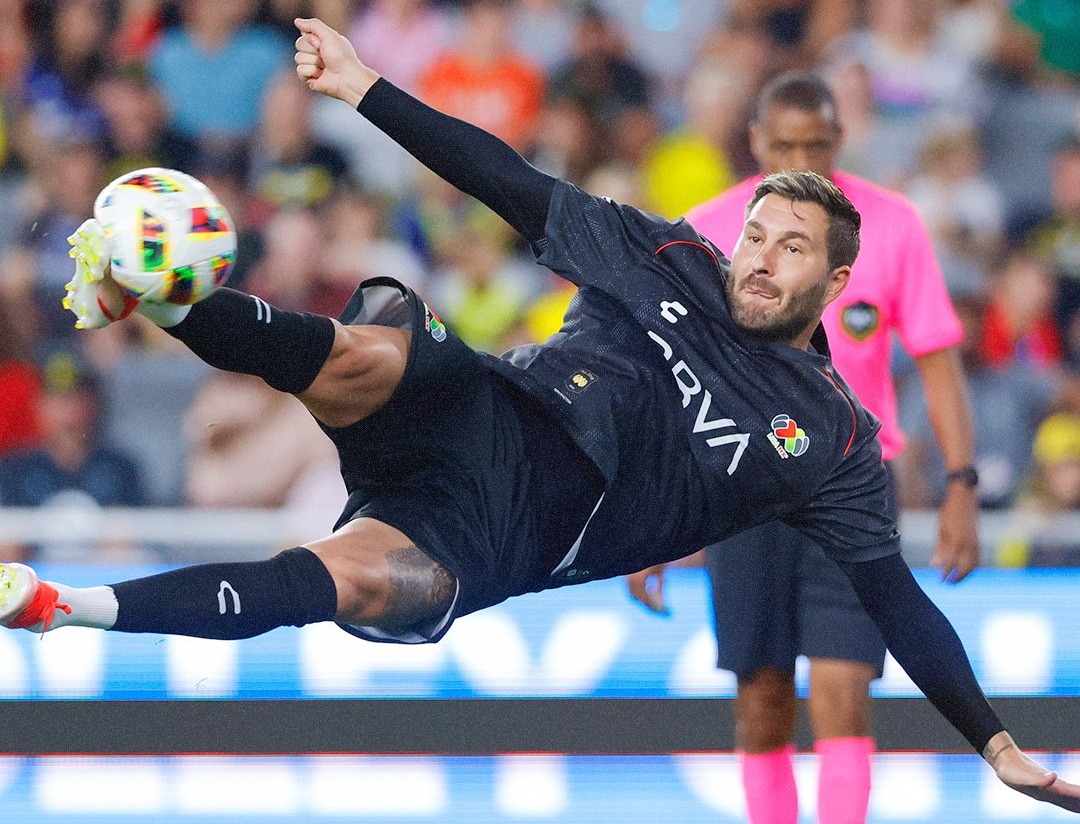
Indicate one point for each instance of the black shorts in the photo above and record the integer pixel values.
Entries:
(463, 463)
(776, 595)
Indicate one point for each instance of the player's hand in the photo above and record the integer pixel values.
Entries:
(327, 62)
(957, 550)
(647, 588)
(1021, 773)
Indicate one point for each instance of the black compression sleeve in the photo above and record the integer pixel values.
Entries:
(924, 643)
(476, 162)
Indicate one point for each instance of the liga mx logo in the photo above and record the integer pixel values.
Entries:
(787, 437)
(434, 325)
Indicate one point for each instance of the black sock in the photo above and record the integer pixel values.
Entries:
(227, 601)
(242, 333)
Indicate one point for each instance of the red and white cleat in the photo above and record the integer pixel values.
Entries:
(26, 602)
(92, 295)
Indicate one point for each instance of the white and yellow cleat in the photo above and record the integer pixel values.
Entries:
(92, 296)
(25, 601)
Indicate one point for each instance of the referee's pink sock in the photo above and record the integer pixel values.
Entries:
(769, 785)
(844, 779)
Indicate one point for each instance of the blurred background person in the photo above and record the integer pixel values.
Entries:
(691, 163)
(484, 80)
(1004, 429)
(1055, 238)
(1019, 326)
(483, 286)
(914, 77)
(20, 389)
(68, 58)
(544, 31)
(137, 130)
(287, 164)
(65, 178)
(234, 422)
(212, 69)
(963, 210)
(289, 270)
(1037, 536)
(402, 39)
(600, 75)
(1014, 88)
(72, 468)
(360, 244)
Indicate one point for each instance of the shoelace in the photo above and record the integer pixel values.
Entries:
(42, 607)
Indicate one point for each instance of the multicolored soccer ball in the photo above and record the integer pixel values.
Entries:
(170, 239)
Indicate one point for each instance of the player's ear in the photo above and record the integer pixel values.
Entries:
(838, 281)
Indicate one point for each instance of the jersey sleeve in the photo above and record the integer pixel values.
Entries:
(925, 319)
(593, 241)
(848, 514)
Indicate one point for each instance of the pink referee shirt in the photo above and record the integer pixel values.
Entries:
(896, 286)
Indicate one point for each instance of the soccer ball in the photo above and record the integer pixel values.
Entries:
(170, 239)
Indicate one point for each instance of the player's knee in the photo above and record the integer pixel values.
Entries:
(839, 702)
(765, 711)
(393, 586)
(363, 370)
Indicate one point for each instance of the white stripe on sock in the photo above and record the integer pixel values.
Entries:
(261, 304)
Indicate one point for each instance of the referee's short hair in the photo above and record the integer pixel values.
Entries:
(842, 239)
(796, 90)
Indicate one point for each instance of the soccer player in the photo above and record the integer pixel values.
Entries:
(681, 402)
(775, 594)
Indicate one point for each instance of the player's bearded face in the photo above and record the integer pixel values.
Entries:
(779, 270)
(789, 315)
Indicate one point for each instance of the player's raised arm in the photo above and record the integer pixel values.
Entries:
(471, 159)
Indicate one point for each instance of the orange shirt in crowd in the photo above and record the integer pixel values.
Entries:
(504, 97)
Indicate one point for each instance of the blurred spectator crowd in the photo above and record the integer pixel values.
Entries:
(969, 107)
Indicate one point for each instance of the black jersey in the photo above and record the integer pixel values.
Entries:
(711, 429)
(700, 427)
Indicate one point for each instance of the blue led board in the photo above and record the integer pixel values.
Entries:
(908, 788)
(1019, 627)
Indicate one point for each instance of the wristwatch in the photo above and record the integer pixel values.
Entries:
(967, 475)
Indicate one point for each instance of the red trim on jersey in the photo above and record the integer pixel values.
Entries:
(712, 254)
(854, 415)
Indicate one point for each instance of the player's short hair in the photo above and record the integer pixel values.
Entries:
(796, 90)
(842, 239)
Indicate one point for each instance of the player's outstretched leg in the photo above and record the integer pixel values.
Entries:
(224, 601)
(366, 574)
(341, 374)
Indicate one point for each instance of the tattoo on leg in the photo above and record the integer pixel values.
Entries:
(421, 589)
